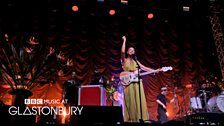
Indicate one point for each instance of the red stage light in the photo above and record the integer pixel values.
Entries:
(189, 86)
(112, 12)
(75, 8)
(150, 15)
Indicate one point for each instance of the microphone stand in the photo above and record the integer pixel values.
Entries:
(139, 88)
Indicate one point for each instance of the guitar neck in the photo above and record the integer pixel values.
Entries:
(149, 72)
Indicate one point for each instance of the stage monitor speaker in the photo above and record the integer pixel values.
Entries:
(98, 115)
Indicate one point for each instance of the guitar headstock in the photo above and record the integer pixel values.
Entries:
(164, 69)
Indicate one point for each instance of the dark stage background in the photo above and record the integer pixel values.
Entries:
(92, 39)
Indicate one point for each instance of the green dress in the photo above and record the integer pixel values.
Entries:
(132, 111)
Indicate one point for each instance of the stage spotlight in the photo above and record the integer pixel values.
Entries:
(112, 12)
(100, 0)
(125, 2)
(75, 8)
(186, 8)
(112, 2)
(150, 15)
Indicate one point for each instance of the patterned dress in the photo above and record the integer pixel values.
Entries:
(132, 111)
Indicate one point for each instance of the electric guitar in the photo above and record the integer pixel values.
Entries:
(176, 108)
(128, 77)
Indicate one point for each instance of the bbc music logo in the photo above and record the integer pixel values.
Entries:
(33, 101)
(38, 109)
(44, 101)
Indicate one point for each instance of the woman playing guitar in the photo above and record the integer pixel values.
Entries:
(135, 107)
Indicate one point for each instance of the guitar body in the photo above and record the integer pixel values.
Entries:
(128, 77)
(176, 109)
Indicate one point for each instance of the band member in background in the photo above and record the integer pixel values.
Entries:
(204, 92)
(162, 107)
(70, 90)
(132, 111)
(208, 89)
(215, 89)
(98, 78)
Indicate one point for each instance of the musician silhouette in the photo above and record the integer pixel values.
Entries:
(70, 90)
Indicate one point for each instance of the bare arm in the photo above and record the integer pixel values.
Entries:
(144, 67)
(123, 49)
